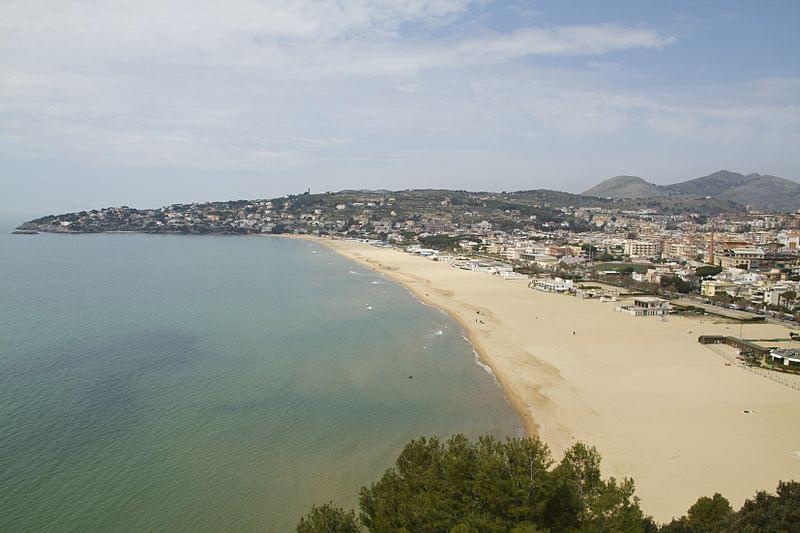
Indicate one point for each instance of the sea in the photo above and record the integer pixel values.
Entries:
(213, 383)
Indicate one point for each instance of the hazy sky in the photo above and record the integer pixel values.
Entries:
(146, 103)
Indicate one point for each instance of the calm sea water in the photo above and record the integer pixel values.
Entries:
(175, 383)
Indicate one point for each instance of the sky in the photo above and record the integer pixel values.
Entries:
(148, 103)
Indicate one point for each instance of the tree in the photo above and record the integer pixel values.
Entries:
(767, 512)
(440, 241)
(601, 505)
(723, 298)
(328, 518)
(676, 284)
(604, 256)
(710, 515)
(514, 486)
(435, 486)
(707, 271)
(491, 485)
(788, 297)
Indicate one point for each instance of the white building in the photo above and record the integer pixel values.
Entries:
(646, 306)
(785, 356)
(552, 285)
(773, 295)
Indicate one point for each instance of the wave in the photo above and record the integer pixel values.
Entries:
(480, 363)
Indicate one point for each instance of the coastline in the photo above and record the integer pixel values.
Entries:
(517, 401)
(661, 408)
(526, 421)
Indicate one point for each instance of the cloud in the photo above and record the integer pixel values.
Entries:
(411, 58)
(348, 93)
(123, 79)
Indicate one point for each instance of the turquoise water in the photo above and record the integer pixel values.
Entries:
(179, 383)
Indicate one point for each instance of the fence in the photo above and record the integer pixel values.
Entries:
(774, 375)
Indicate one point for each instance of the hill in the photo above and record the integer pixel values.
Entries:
(625, 187)
(712, 185)
(765, 193)
(768, 193)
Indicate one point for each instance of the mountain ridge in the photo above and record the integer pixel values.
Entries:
(759, 191)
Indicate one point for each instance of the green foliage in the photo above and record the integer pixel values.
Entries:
(723, 298)
(498, 486)
(507, 225)
(771, 512)
(440, 241)
(779, 513)
(707, 271)
(710, 514)
(328, 518)
(514, 486)
(676, 284)
(600, 505)
(604, 256)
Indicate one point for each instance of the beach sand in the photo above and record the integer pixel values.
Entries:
(661, 408)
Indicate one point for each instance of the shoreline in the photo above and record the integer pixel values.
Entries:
(527, 423)
(659, 407)
(520, 407)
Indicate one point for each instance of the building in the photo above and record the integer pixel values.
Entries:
(552, 285)
(743, 258)
(642, 249)
(646, 306)
(712, 287)
(788, 357)
(679, 251)
(540, 260)
(774, 295)
(653, 275)
(792, 241)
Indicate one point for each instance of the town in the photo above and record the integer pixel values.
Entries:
(696, 253)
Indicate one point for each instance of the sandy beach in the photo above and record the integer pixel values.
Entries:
(660, 407)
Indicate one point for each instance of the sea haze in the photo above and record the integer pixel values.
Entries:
(213, 383)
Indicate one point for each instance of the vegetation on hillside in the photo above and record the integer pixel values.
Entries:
(721, 191)
(624, 268)
(461, 486)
